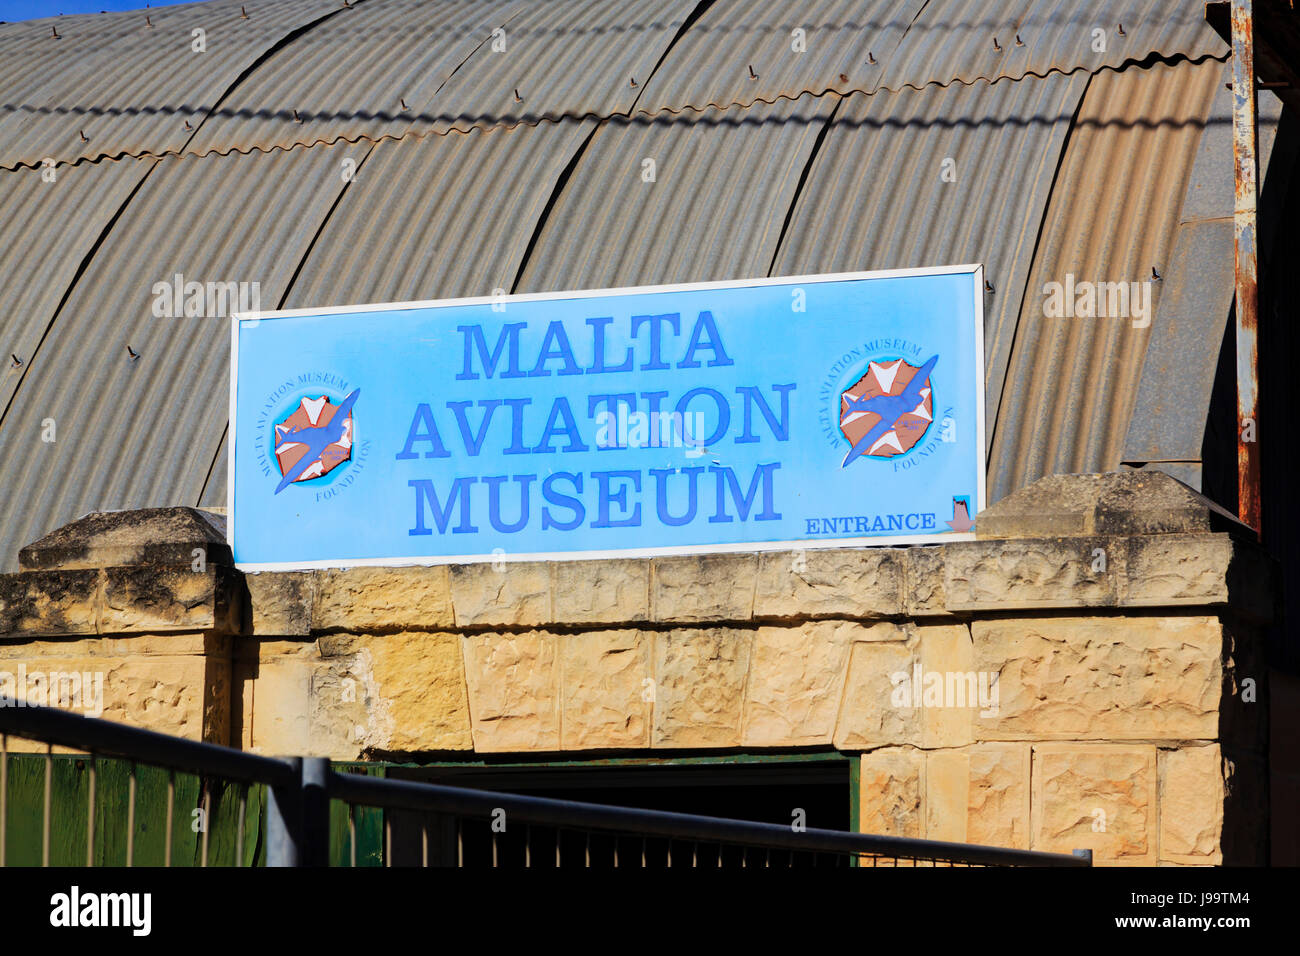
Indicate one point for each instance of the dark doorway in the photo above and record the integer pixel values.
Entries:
(768, 790)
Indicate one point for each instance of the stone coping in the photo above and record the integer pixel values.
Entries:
(935, 581)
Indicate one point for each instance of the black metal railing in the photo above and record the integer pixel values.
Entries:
(314, 814)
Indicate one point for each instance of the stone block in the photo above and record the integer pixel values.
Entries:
(998, 796)
(951, 688)
(514, 693)
(615, 591)
(1104, 678)
(891, 791)
(419, 697)
(796, 681)
(1031, 573)
(362, 599)
(840, 582)
(156, 599)
(1100, 797)
(924, 591)
(1167, 570)
(510, 594)
(281, 602)
(700, 686)
(39, 603)
(608, 693)
(872, 713)
(703, 587)
(1191, 805)
(947, 795)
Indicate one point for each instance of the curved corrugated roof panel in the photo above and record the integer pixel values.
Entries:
(739, 52)
(436, 218)
(566, 58)
(381, 54)
(137, 432)
(968, 40)
(130, 88)
(722, 181)
(1071, 382)
(50, 220)
(940, 176)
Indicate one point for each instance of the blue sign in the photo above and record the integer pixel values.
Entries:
(815, 411)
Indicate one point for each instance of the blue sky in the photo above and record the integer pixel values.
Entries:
(12, 10)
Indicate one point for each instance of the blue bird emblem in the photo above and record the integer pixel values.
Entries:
(890, 409)
(317, 439)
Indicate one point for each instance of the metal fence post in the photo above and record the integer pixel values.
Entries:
(297, 816)
(315, 850)
(284, 820)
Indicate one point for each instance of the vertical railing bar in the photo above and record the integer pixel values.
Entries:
(130, 817)
(695, 848)
(49, 804)
(643, 853)
(171, 804)
(4, 793)
(528, 845)
(767, 859)
(559, 835)
(90, 817)
(207, 820)
(388, 840)
(494, 849)
(460, 844)
(239, 827)
(616, 851)
(352, 834)
(424, 842)
(744, 857)
(670, 852)
(587, 852)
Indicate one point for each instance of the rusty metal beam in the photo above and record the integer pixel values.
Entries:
(1244, 145)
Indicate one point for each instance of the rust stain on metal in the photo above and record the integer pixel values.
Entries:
(1244, 141)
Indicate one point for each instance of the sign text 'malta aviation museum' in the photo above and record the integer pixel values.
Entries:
(799, 412)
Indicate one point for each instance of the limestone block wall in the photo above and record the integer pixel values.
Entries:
(1088, 673)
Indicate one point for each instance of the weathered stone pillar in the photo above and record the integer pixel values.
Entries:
(129, 615)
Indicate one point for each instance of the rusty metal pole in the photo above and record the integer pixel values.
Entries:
(1244, 143)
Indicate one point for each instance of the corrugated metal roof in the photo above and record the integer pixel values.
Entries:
(127, 87)
(739, 52)
(449, 216)
(132, 88)
(566, 58)
(940, 176)
(52, 219)
(1116, 205)
(387, 59)
(133, 432)
(723, 182)
(969, 40)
